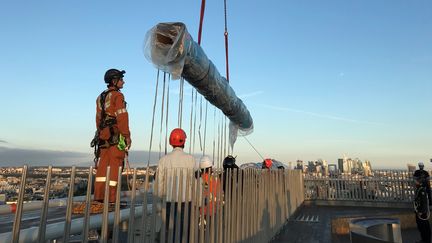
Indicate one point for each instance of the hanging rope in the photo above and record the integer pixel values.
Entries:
(194, 125)
(199, 127)
(253, 148)
(153, 119)
(180, 109)
(191, 116)
(225, 136)
(166, 122)
(162, 116)
(214, 134)
(218, 140)
(226, 41)
(205, 128)
(226, 52)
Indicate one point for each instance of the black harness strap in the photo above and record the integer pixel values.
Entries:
(95, 142)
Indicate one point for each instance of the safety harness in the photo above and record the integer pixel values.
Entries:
(105, 121)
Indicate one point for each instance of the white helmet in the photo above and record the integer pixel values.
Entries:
(420, 164)
(205, 162)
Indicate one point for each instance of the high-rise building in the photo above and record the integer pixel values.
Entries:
(340, 165)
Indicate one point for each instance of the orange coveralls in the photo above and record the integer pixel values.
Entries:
(115, 106)
(210, 190)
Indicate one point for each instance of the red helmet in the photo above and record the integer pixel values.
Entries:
(177, 137)
(267, 163)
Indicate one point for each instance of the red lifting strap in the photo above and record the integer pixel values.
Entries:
(201, 21)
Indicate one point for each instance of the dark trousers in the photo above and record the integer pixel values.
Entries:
(424, 227)
(174, 219)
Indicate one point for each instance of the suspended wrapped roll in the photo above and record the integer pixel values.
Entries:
(170, 48)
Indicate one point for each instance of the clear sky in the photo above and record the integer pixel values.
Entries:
(320, 78)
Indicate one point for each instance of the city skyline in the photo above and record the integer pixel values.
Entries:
(321, 79)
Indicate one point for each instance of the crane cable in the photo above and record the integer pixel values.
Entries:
(167, 115)
(253, 147)
(226, 54)
(226, 41)
(162, 115)
(153, 119)
(203, 3)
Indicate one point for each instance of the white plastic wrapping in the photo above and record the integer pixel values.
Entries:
(170, 48)
(166, 45)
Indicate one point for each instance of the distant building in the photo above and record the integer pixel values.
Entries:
(341, 165)
(332, 170)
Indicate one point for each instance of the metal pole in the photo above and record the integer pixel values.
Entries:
(155, 213)
(69, 206)
(179, 204)
(18, 214)
(131, 228)
(172, 206)
(117, 207)
(44, 213)
(186, 222)
(104, 231)
(143, 228)
(87, 208)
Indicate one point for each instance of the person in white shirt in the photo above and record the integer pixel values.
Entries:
(170, 168)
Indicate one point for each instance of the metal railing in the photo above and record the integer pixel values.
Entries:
(178, 206)
(383, 186)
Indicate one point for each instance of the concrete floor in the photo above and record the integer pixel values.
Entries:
(312, 224)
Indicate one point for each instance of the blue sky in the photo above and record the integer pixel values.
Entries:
(320, 78)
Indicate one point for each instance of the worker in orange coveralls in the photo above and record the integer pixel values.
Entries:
(112, 140)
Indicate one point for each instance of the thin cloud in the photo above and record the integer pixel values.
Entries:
(252, 94)
(3, 141)
(338, 118)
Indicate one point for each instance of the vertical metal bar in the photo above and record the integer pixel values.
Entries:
(69, 204)
(217, 205)
(87, 208)
(239, 204)
(180, 201)
(246, 204)
(194, 205)
(144, 223)
(188, 201)
(164, 202)
(228, 206)
(220, 208)
(172, 207)
(207, 210)
(18, 213)
(157, 201)
(131, 228)
(234, 206)
(116, 226)
(245, 198)
(201, 212)
(104, 231)
(44, 213)
(197, 212)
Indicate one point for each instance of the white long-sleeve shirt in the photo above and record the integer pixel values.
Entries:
(175, 161)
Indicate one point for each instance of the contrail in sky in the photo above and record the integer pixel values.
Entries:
(278, 108)
(251, 94)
